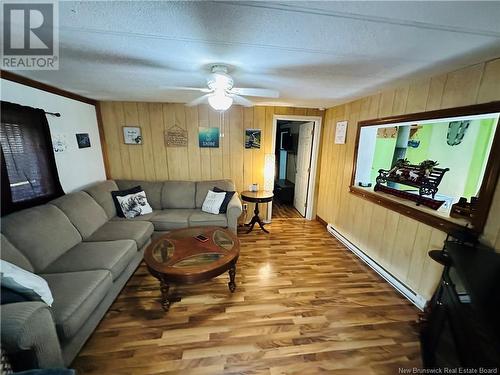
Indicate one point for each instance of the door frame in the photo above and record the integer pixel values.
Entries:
(314, 159)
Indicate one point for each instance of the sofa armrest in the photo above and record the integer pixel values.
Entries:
(234, 210)
(29, 337)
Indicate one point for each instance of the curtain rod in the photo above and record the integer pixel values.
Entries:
(57, 114)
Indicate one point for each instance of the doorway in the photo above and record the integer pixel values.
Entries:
(296, 140)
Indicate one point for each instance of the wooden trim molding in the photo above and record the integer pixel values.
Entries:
(413, 213)
(44, 87)
(488, 185)
(321, 220)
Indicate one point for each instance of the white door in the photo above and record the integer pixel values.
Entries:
(303, 167)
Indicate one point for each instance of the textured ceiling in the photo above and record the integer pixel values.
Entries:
(315, 53)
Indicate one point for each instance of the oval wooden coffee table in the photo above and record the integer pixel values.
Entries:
(179, 258)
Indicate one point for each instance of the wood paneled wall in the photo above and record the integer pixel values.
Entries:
(398, 243)
(154, 161)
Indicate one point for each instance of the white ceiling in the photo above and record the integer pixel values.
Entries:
(315, 53)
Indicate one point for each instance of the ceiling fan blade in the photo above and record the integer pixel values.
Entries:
(263, 93)
(241, 100)
(197, 101)
(202, 89)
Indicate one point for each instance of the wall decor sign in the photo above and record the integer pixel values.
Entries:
(132, 135)
(252, 138)
(59, 143)
(176, 137)
(340, 132)
(83, 140)
(208, 137)
(391, 132)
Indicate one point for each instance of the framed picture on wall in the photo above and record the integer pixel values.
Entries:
(208, 137)
(132, 135)
(252, 138)
(83, 140)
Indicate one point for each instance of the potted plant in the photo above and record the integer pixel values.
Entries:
(427, 166)
(400, 163)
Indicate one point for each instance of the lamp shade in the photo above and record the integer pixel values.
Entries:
(220, 101)
(269, 169)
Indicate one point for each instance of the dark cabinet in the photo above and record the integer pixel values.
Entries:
(284, 191)
(461, 325)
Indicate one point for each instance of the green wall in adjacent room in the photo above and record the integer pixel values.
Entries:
(481, 151)
(382, 159)
(419, 154)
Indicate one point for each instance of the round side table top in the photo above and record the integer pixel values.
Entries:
(257, 196)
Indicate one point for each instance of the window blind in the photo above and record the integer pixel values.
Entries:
(28, 161)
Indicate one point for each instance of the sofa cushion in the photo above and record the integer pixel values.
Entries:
(41, 233)
(151, 188)
(139, 231)
(83, 211)
(172, 219)
(145, 217)
(101, 192)
(76, 296)
(113, 256)
(202, 188)
(12, 255)
(199, 218)
(178, 194)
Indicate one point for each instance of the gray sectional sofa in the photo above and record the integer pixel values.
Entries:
(86, 254)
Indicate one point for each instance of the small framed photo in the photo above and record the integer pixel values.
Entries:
(83, 140)
(132, 135)
(252, 138)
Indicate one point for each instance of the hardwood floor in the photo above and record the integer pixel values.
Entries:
(303, 304)
(283, 211)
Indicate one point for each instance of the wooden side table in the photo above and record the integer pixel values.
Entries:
(256, 197)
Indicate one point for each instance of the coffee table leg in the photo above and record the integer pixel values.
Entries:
(232, 275)
(164, 287)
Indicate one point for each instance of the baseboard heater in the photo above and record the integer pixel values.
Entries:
(413, 297)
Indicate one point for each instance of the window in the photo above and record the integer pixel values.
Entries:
(423, 164)
(29, 173)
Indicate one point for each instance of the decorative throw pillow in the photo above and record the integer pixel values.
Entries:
(212, 202)
(121, 193)
(229, 195)
(10, 296)
(134, 204)
(24, 282)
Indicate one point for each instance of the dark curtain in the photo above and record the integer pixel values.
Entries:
(29, 172)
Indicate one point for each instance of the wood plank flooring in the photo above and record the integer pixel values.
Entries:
(303, 305)
(282, 211)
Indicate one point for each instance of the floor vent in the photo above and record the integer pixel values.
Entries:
(414, 298)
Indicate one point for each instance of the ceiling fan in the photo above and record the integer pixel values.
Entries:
(221, 94)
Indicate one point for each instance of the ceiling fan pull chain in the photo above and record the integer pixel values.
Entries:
(221, 123)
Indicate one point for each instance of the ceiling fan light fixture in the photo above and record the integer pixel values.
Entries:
(219, 81)
(220, 101)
